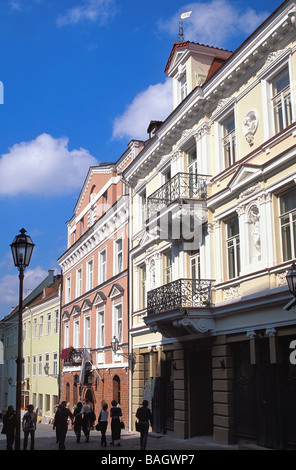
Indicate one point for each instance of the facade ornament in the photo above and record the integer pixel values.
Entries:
(250, 190)
(232, 292)
(250, 125)
(281, 278)
(251, 334)
(270, 332)
(253, 221)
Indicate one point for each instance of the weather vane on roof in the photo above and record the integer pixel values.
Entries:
(182, 16)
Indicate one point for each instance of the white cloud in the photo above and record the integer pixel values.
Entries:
(43, 166)
(9, 286)
(214, 23)
(153, 104)
(91, 10)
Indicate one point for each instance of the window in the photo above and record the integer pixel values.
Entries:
(117, 322)
(167, 263)
(40, 364)
(87, 332)
(68, 290)
(28, 366)
(76, 334)
(101, 329)
(66, 336)
(183, 86)
(195, 264)
(46, 360)
(34, 366)
(288, 224)
(102, 266)
(79, 282)
(41, 326)
(281, 100)
(228, 140)
(118, 255)
(143, 292)
(89, 275)
(56, 322)
(233, 248)
(143, 209)
(35, 328)
(55, 363)
(192, 170)
(48, 326)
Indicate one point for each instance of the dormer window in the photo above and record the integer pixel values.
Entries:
(183, 86)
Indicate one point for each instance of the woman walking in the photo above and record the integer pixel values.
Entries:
(103, 420)
(144, 416)
(78, 418)
(115, 413)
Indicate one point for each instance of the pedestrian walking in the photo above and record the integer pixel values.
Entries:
(88, 419)
(103, 423)
(144, 416)
(115, 413)
(29, 426)
(78, 420)
(61, 423)
(9, 426)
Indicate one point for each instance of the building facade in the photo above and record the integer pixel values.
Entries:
(213, 203)
(40, 348)
(96, 289)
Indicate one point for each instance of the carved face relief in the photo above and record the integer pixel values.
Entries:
(250, 124)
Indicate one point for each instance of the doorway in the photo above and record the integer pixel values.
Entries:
(200, 392)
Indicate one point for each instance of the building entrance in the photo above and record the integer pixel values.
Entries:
(200, 391)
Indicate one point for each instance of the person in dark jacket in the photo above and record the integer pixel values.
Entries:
(9, 426)
(115, 413)
(78, 420)
(144, 416)
(61, 423)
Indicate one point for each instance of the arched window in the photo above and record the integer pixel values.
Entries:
(116, 388)
(67, 392)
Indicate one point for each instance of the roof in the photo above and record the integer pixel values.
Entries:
(184, 45)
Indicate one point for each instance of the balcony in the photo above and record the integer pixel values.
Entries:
(180, 187)
(180, 307)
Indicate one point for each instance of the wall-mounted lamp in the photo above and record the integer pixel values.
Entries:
(115, 347)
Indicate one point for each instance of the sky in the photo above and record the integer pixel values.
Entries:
(80, 79)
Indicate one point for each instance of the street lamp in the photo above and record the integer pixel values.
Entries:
(22, 248)
(291, 280)
(115, 347)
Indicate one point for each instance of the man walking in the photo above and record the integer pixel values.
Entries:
(61, 423)
(29, 426)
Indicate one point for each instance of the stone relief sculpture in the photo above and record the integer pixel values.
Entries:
(250, 124)
(253, 220)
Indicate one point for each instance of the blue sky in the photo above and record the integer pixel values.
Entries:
(81, 79)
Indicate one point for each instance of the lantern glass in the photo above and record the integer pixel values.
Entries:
(291, 279)
(114, 344)
(22, 249)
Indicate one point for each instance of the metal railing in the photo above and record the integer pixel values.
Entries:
(180, 186)
(182, 293)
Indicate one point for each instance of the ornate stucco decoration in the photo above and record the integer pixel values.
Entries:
(232, 292)
(250, 125)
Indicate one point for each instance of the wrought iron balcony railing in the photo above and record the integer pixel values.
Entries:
(180, 186)
(179, 294)
(71, 356)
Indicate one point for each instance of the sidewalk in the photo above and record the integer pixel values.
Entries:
(130, 441)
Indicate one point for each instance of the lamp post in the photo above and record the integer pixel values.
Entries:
(22, 248)
(291, 280)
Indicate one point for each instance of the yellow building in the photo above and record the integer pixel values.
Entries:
(213, 209)
(41, 347)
